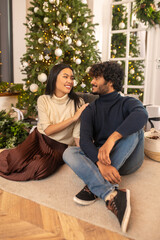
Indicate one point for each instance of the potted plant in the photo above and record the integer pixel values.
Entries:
(12, 132)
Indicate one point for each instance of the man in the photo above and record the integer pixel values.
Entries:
(111, 142)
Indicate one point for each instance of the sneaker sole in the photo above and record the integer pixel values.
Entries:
(127, 214)
(83, 202)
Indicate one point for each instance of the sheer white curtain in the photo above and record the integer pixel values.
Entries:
(101, 10)
(152, 85)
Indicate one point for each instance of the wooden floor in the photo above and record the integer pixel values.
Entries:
(22, 219)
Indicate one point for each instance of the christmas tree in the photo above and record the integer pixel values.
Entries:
(118, 49)
(58, 31)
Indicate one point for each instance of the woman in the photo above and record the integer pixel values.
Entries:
(58, 127)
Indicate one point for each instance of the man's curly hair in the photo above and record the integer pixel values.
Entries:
(110, 71)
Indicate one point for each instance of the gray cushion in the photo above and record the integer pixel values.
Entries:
(87, 97)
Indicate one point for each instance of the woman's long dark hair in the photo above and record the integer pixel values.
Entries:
(51, 83)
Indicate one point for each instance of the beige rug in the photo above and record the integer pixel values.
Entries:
(58, 190)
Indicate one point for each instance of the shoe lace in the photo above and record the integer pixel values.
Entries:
(86, 189)
(112, 206)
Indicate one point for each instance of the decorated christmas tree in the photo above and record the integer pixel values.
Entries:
(58, 31)
(118, 48)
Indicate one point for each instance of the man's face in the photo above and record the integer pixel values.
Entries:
(100, 86)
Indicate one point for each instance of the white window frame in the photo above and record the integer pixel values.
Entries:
(127, 58)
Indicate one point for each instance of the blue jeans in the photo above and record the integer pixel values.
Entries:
(126, 156)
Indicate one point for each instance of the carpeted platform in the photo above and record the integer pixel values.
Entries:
(58, 190)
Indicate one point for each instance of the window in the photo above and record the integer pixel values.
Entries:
(128, 46)
(6, 48)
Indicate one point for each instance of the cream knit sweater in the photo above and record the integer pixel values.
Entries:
(52, 110)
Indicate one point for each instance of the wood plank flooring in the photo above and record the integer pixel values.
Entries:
(22, 219)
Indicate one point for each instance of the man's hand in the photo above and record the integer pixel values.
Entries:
(109, 173)
(104, 151)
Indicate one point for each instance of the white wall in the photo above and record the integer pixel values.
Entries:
(7, 101)
(19, 30)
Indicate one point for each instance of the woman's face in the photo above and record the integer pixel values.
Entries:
(64, 82)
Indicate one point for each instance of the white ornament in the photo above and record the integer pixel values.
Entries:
(69, 40)
(33, 87)
(132, 71)
(75, 83)
(42, 77)
(87, 70)
(62, 27)
(47, 57)
(78, 43)
(114, 51)
(85, 25)
(119, 62)
(121, 25)
(52, 1)
(30, 24)
(46, 20)
(41, 57)
(69, 20)
(56, 38)
(78, 61)
(25, 88)
(50, 43)
(40, 40)
(36, 9)
(25, 64)
(74, 59)
(84, 1)
(77, 52)
(45, 7)
(138, 78)
(45, 4)
(58, 52)
(131, 54)
(58, 13)
(83, 85)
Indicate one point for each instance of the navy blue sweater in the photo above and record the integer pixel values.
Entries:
(109, 113)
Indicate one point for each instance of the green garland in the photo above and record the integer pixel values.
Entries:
(6, 87)
(146, 12)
